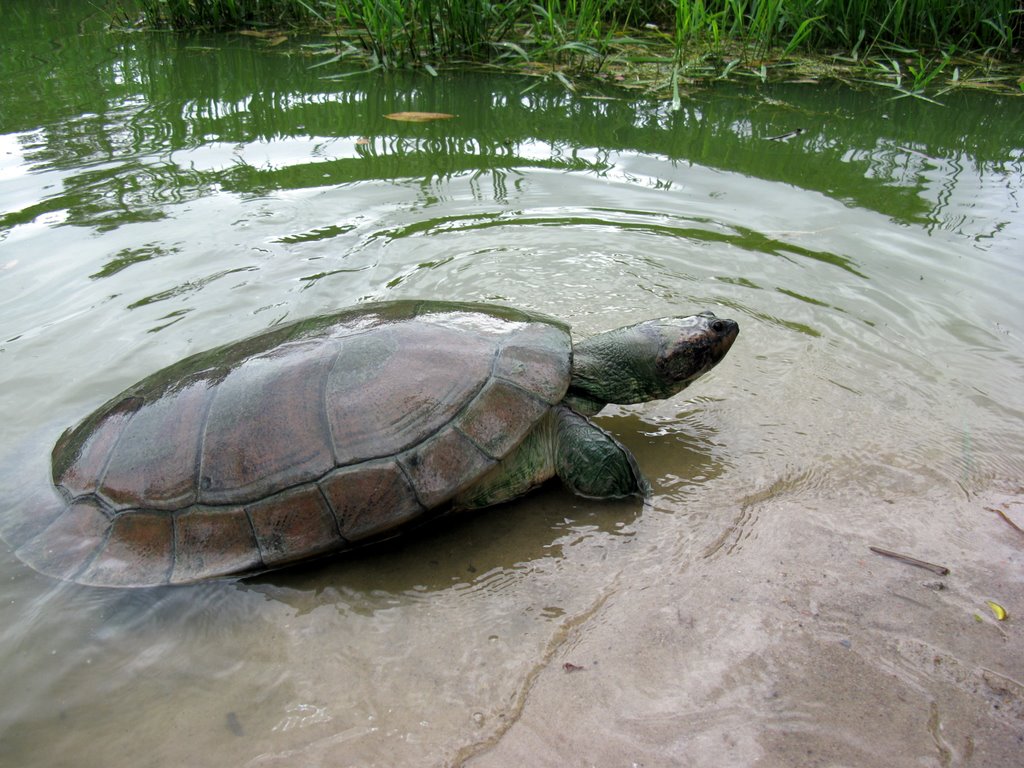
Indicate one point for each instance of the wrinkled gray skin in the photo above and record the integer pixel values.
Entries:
(652, 360)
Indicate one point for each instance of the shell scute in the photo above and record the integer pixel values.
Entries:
(153, 465)
(139, 550)
(492, 419)
(81, 454)
(265, 429)
(213, 540)
(370, 499)
(443, 466)
(294, 524)
(389, 390)
(538, 359)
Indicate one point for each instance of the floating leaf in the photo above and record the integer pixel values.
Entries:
(271, 36)
(418, 117)
(677, 102)
(565, 81)
(331, 60)
(997, 609)
(260, 33)
(785, 136)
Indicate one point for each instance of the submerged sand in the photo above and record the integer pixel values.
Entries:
(787, 642)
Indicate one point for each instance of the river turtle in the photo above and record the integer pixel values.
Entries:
(337, 431)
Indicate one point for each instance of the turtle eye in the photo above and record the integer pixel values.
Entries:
(718, 326)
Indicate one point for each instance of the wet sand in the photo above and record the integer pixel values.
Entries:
(789, 643)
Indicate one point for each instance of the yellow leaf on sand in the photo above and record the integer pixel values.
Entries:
(418, 117)
(997, 609)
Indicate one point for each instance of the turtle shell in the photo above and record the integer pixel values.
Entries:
(305, 440)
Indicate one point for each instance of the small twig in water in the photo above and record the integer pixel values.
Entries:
(941, 570)
(785, 136)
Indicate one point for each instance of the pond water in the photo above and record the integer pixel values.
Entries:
(161, 195)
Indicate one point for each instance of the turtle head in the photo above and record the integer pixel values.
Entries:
(651, 360)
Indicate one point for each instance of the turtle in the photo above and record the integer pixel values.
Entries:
(338, 431)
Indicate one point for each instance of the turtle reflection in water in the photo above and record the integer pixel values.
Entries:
(330, 433)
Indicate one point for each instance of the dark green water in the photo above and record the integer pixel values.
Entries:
(160, 195)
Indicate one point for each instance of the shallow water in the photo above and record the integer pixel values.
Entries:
(162, 195)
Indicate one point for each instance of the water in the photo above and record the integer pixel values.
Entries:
(163, 195)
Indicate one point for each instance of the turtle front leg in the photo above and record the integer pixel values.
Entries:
(591, 463)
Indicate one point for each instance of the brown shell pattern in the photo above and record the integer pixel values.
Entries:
(305, 440)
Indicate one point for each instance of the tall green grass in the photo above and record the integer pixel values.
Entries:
(972, 25)
(965, 24)
(403, 30)
(223, 14)
(397, 31)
